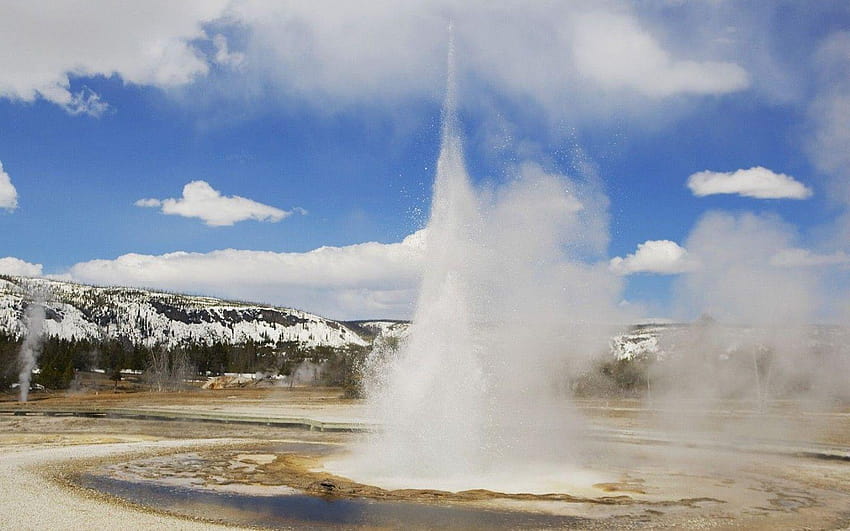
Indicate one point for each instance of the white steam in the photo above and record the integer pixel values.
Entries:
(737, 281)
(505, 308)
(28, 355)
(760, 297)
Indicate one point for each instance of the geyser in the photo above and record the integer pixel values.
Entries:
(477, 394)
(34, 321)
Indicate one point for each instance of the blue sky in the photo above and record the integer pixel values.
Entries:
(330, 114)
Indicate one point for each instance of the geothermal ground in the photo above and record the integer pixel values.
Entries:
(198, 458)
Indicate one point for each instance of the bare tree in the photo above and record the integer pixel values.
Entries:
(167, 371)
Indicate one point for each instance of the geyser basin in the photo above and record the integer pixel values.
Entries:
(654, 482)
(531, 477)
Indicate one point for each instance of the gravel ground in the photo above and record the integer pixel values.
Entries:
(29, 501)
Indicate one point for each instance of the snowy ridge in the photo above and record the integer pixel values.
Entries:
(659, 341)
(149, 318)
(385, 328)
(636, 345)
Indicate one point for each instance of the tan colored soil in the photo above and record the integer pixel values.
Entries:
(755, 493)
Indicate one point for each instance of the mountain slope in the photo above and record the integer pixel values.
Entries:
(148, 318)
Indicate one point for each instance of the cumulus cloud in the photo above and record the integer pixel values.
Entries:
(540, 215)
(146, 43)
(200, 200)
(356, 281)
(15, 266)
(8, 193)
(613, 50)
(757, 182)
(349, 52)
(534, 51)
(663, 257)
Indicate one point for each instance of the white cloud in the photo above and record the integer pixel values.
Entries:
(148, 203)
(223, 55)
(613, 50)
(338, 53)
(829, 115)
(531, 230)
(756, 182)
(796, 257)
(8, 193)
(654, 256)
(356, 281)
(15, 266)
(144, 43)
(200, 200)
(86, 101)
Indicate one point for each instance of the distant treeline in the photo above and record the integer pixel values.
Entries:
(59, 359)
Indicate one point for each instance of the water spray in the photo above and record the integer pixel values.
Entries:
(30, 349)
(477, 388)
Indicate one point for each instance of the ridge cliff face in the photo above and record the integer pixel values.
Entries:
(148, 318)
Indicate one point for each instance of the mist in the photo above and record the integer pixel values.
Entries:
(761, 327)
(509, 305)
(30, 349)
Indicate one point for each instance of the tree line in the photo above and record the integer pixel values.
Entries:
(165, 368)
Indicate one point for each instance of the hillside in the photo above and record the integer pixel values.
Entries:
(148, 318)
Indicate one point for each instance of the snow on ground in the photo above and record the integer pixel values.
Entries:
(630, 346)
(397, 329)
(150, 318)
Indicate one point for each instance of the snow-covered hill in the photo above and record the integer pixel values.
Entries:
(149, 317)
(385, 328)
(659, 341)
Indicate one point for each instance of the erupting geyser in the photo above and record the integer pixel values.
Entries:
(476, 396)
(34, 320)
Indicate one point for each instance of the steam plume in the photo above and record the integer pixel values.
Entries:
(502, 314)
(34, 321)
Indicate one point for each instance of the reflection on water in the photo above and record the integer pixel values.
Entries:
(282, 511)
